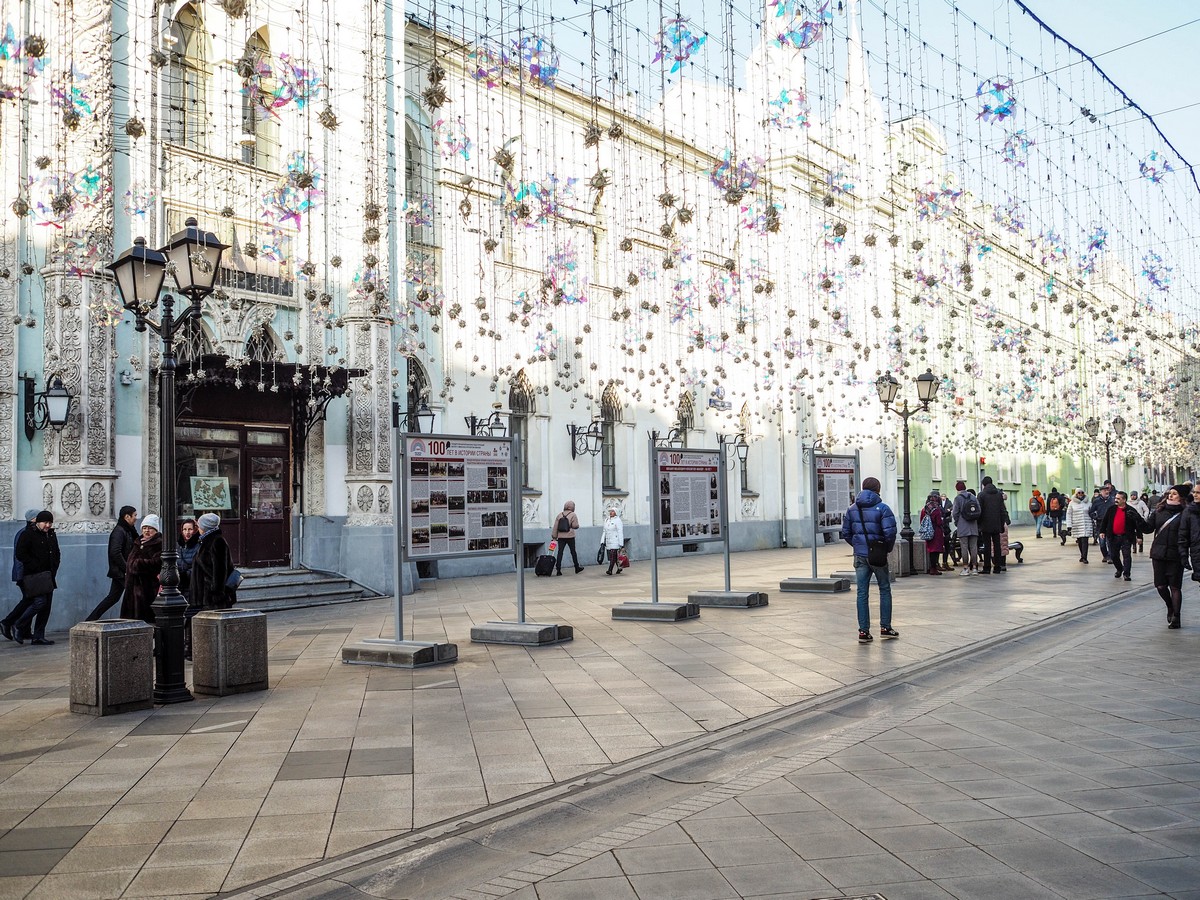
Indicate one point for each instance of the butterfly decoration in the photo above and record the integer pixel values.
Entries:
(1016, 148)
(999, 101)
(677, 43)
(803, 27)
(539, 58)
(1155, 167)
(789, 110)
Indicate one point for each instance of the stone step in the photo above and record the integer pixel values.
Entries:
(270, 590)
(282, 603)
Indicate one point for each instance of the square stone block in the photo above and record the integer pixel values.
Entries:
(112, 667)
(229, 652)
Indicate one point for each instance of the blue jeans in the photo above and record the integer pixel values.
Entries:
(1037, 520)
(862, 574)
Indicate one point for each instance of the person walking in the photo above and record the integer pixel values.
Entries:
(1056, 508)
(142, 571)
(1037, 509)
(966, 512)
(1101, 504)
(1119, 529)
(1144, 511)
(37, 551)
(870, 521)
(1168, 553)
(992, 519)
(17, 572)
(121, 541)
(1079, 522)
(211, 567)
(614, 540)
(1188, 544)
(565, 526)
(931, 532)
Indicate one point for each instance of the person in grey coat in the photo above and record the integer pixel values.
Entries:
(968, 530)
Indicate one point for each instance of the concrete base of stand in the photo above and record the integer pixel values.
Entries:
(524, 633)
(398, 654)
(736, 599)
(852, 577)
(815, 585)
(656, 612)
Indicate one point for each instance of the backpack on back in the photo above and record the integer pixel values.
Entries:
(970, 509)
(563, 525)
(1035, 505)
(1055, 506)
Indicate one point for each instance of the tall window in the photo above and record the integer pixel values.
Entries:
(261, 347)
(744, 422)
(520, 408)
(418, 187)
(418, 388)
(685, 416)
(610, 416)
(260, 129)
(188, 77)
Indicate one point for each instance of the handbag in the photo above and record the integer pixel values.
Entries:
(600, 554)
(235, 579)
(877, 552)
(38, 584)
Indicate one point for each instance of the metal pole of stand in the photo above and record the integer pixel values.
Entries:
(654, 523)
(518, 526)
(723, 455)
(398, 520)
(812, 503)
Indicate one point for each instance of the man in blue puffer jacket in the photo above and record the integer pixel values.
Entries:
(870, 519)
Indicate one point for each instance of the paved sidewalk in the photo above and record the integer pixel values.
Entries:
(215, 795)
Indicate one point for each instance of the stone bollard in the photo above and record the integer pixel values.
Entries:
(112, 667)
(229, 652)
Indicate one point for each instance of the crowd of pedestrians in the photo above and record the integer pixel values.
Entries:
(206, 571)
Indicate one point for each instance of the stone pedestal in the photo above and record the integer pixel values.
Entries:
(112, 667)
(398, 654)
(524, 633)
(898, 558)
(656, 612)
(229, 652)
(729, 599)
(814, 585)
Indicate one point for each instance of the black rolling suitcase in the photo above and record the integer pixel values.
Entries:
(544, 565)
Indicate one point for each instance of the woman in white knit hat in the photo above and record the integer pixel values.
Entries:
(142, 569)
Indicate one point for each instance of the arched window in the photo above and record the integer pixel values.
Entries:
(610, 416)
(193, 343)
(261, 347)
(418, 187)
(260, 128)
(685, 416)
(418, 389)
(744, 421)
(520, 408)
(187, 81)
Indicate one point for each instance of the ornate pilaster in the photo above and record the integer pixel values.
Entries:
(8, 381)
(368, 478)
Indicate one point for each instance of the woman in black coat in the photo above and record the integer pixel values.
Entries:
(37, 551)
(211, 567)
(1165, 522)
(142, 569)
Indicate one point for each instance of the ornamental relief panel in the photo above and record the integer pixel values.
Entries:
(750, 507)
(531, 510)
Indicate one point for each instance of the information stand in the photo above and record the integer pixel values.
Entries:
(685, 508)
(832, 490)
(519, 632)
(727, 597)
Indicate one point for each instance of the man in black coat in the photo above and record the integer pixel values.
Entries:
(1119, 529)
(121, 542)
(993, 516)
(37, 551)
(1101, 504)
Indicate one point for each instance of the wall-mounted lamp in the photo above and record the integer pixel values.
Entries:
(419, 422)
(49, 407)
(674, 438)
(586, 438)
(738, 441)
(492, 425)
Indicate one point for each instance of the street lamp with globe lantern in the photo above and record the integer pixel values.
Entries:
(1092, 427)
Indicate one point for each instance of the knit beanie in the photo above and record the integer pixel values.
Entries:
(960, 485)
(209, 522)
(1185, 492)
(152, 521)
(871, 483)
(44, 516)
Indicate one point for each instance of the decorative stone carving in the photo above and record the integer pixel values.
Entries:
(365, 499)
(385, 499)
(97, 499)
(72, 498)
(617, 503)
(749, 507)
(48, 496)
(531, 510)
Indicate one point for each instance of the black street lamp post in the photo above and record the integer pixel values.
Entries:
(927, 388)
(1092, 427)
(193, 257)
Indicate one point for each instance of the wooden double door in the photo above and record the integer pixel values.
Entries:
(241, 472)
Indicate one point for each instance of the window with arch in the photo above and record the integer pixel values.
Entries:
(685, 416)
(193, 343)
(418, 389)
(188, 81)
(418, 185)
(610, 417)
(744, 421)
(520, 409)
(261, 346)
(260, 129)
